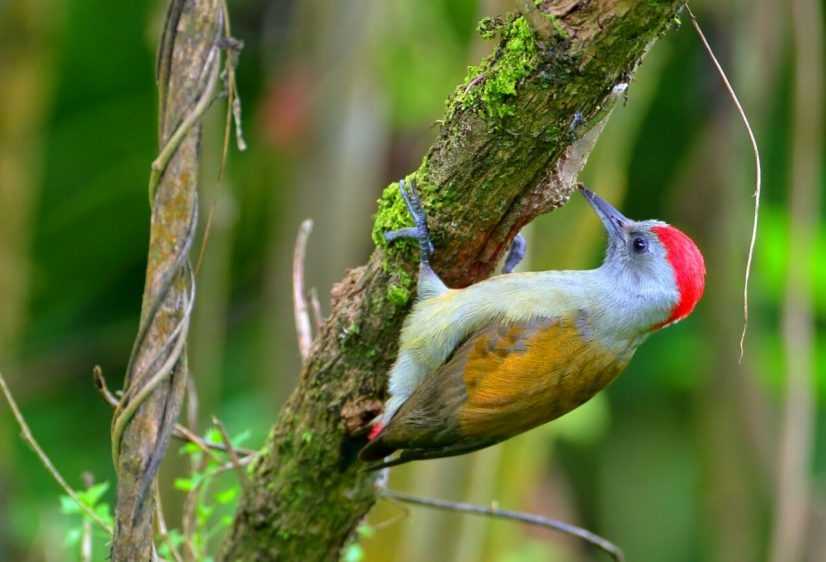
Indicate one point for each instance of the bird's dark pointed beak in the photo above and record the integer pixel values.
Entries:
(614, 221)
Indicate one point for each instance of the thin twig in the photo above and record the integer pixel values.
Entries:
(195, 496)
(163, 531)
(205, 240)
(165, 285)
(86, 552)
(757, 175)
(192, 404)
(531, 519)
(233, 46)
(233, 454)
(196, 466)
(206, 447)
(227, 131)
(103, 388)
(191, 119)
(185, 434)
(180, 432)
(302, 316)
(124, 416)
(242, 462)
(28, 437)
(315, 306)
(189, 519)
(403, 512)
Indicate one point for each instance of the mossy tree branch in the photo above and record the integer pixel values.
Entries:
(516, 135)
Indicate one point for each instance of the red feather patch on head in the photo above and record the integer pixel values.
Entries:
(689, 269)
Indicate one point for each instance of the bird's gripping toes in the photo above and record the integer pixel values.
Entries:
(421, 233)
(481, 364)
(418, 232)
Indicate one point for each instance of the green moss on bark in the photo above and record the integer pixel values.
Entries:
(391, 214)
(400, 289)
(492, 85)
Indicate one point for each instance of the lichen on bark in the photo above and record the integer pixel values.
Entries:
(515, 136)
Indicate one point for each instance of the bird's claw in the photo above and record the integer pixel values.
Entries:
(420, 232)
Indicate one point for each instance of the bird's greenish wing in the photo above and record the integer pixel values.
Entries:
(501, 381)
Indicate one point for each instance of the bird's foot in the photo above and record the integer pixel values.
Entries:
(515, 254)
(420, 231)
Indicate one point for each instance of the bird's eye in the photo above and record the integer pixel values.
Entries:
(639, 244)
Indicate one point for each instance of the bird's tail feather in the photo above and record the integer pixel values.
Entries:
(375, 450)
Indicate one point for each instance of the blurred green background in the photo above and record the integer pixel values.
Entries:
(682, 459)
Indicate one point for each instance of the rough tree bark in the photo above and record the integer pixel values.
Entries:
(515, 136)
(188, 66)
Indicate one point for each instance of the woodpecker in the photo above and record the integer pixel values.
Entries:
(481, 364)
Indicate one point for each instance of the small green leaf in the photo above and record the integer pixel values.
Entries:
(68, 506)
(214, 436)
(226, 496)
(175, 537)
(365, 531)
(184, 484)
(189, 449)
(92, 495)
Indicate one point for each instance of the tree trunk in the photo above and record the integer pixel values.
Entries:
(155, 382)
(515, 136)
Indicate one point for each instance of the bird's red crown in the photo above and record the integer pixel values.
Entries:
(689, 269)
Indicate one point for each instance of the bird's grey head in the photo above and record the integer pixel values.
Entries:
(659, 268)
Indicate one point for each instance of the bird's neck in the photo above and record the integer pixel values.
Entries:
(620, 306)
(637, 304)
